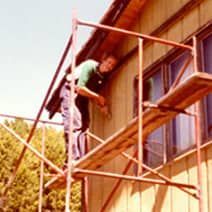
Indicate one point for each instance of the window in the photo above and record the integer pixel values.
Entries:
(153, 90)
(153, 155)
(207, 54)
(177, 136)
(182, 127)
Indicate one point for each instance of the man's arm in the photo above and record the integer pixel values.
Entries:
(84, 91)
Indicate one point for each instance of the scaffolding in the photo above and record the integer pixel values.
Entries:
(179, 97)
(41, 155)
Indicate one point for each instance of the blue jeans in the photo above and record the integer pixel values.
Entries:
(80, 125)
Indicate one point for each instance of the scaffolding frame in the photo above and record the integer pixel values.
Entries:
(40, 156)
(68, 174)
(139, 152)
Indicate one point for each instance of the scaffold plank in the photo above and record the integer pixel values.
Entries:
(191, 90)
(57, 182)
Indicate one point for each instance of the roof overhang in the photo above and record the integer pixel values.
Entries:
(121, 14)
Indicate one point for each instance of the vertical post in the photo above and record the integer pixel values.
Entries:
(85, 180)
(164, 147)
(198, 132)
(41, 169)
(140, 106)
(85, 194)
(71, 109)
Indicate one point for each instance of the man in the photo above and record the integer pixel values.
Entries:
(89, 79)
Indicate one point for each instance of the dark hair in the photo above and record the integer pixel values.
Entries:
(106, 55)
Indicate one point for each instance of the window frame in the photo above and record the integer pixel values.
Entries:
(146, 76)
(171, 154)
(204, 121)
(163, 64)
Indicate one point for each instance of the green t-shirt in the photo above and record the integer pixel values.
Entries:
(88, 76)
(86, 70)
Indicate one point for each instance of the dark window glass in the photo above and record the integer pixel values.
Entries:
(182, 127)
(153, 155)
(207, 48)
(153, 90)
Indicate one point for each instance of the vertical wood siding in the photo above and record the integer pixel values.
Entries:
(134, 197)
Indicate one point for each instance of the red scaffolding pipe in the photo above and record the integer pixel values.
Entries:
(135, 34)
(33, 150)
(153, 171)
(30, 119)
(85, 194)
(140, 108)
(131, 178)
(76, 22)
(181, 72)
(85, 183)
(41, 170)
(71, 109)
(198, 132)
(194, 50)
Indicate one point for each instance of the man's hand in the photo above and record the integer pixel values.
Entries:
(84, 91)
(101, 101)
(105, 110)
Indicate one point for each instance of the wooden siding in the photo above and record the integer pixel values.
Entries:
(134, 197)
(162, 198)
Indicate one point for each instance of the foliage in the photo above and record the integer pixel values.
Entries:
(23, 195)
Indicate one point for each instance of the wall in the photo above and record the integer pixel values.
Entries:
(132, 196)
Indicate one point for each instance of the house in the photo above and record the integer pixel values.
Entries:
(169, 149)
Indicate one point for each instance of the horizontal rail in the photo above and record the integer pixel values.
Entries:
(33, 150)
(166, 108)
(153, 171)
(135, 34)
(131, 178)
(30, 119)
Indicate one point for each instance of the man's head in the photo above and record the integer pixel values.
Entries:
(108, 63)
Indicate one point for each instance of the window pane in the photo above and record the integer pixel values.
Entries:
(153, 90)
(182, 132)
(207, 46)
(153, 154)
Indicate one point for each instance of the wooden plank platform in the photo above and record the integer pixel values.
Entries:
(192, 89)
(57, 182)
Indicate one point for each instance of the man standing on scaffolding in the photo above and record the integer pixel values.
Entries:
(89, 78)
